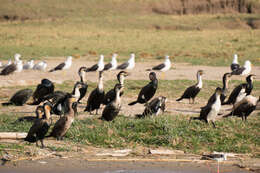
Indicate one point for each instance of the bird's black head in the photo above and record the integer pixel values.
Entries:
(152, 75)
(46, 82)
(250, 78)
(218, 90)
(122, 74)
(82, 70)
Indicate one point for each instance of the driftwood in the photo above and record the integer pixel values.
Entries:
(12, 135)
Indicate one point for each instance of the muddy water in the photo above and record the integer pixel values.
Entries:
(83, 166)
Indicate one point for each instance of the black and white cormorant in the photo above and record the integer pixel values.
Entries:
(129, 65)
(192, 91)
(235, 65)
(99, 66)
(154, 107)
(40, 127)
(209, 113)
(43, 89)
(110, 95)
(164, 66)
(20, 97)
(63, 124)
(226, 78)
(244, 107)
(96, 97)
(148, 91)
(112, 65)
(84, 85)
(245, 70)
(112, 109)
(63, 66)
(241, 91)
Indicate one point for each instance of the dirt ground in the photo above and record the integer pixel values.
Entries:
(86, 157)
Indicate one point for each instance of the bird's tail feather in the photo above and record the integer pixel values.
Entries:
(148, 69)
(179, 99)
(7, 104)
(52, 70)
(133, 103)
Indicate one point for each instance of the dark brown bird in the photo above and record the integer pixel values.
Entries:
(19, 98)
(40, 127)
(8, 69)
(63, 124)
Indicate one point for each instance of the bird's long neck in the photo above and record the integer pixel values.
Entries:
(121, 80)
(235, 60)
(77, 92)
(82, 77)
(199, 80)
(47, 114)
(117, 99)
(225, 83)
(100, 83)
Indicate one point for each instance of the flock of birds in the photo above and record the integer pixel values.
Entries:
(65, 104)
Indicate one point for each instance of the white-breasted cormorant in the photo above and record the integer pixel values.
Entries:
(63, 124)
(148, 91)
(241, 91)
(244, 107)
(210, 112)
(235, 65)
(112, 65)
(245, 70)
(96, 97)
(99, 66)
(40, 127)
(129, 65)
(20, 97)
(110, 95)
(112, 109)
(192, 91)
(84, 85)
(63, 66)
(154, 107)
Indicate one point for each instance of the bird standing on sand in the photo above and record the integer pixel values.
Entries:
(235, 65)
(63, 66)
(192, 91)
(113, 63)
(209, 113)
(245, 70)
(28, 65)
(148, 91)
(164, 66)
(129, 65)
(40, 126)
(42, 65)
(99, 66)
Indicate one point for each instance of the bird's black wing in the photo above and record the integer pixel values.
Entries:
(204, 112)
(233, 96)
(109, 97)
(59, 67)
(211, 100)
(93, 68)
(158, 67)
(123, 66)
(239, 71)
(234, 67)
(21, 97)
(110, 112)
(8, 70)
(108, 66)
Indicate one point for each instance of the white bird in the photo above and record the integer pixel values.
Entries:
(130, 64)
(42, 65)
(19, 66)
(113, 63)
(1, 65)
(28, 65)
(235, 65)
(63, 66)
(245, 70)
(99, 66)
(17, 57)
(164, 66)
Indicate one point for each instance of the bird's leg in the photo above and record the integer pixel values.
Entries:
(42, 143)
(213, 124)
(193, 100)
(37, 143)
